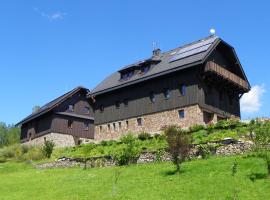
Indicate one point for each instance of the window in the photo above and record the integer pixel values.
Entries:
(86, 126)
(71, 108)
(139, 121)
(100, 128)
(182, 90)
(145, 69)
(109, 127)
(86, 110)
(114, 127)
(70, 123)
(101, 108)
(127, 123)
(166, 93)
(152, 97)
(120, 125)
(126, 102)
(127, 75)
(181, 114)
(117, 104)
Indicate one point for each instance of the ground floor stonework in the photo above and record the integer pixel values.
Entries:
(153, 123)
(60, 140)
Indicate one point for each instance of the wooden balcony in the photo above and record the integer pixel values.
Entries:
(223, 73)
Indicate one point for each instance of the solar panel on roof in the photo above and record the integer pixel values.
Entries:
(193, 49)
(190, 52)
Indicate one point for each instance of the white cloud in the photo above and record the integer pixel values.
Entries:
(52, 16)
(251, 101)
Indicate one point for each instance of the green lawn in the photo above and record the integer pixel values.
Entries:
(200, 179)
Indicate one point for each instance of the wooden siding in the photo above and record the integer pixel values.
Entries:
(52, 122)
(138, 96)
(37, 127)
(229, 102)
(79, 101)
(224, 56)
(60, 125)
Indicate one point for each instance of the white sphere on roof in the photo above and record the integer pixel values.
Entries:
(212, 31)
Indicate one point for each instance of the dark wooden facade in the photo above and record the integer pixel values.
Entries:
(214, 92)
(139, 101)
(71, 116)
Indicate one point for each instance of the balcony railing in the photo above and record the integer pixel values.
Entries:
(226, 74)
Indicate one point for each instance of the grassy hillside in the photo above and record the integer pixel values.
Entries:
(200, 179)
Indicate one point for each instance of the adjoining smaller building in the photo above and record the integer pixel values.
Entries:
(66, 121)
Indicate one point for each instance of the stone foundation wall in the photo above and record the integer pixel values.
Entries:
(151, 123)
(60, 140)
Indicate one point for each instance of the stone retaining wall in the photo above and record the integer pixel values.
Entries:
(146, 157)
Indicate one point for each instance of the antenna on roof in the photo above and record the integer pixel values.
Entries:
(154, 45)
(212, 31)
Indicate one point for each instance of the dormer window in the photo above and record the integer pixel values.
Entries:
(127, 75)
(182, 89)
(167, 93)
(71, 108)
(152, 97)
(145, 69)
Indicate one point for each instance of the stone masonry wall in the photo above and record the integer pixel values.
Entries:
(60, 140)
(151, 123)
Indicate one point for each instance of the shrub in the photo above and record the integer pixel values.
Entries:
(2, 159)
(106, 142)
(34, 153)
(48, 148)
(262, 135)
(179, 144)
(158, 136)
(159, 155)
(204, 151)
(13, 151)
(21, 153)
(144, 136)
(196, 128)
(129, 151)
(199, 137)
(210, 128)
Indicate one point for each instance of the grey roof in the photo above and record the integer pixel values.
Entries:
(173, 60)
(51, 105)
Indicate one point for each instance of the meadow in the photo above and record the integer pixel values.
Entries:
(199, 179)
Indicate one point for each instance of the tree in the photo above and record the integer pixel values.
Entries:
(9, 134)
(262, 142)
(179, 144)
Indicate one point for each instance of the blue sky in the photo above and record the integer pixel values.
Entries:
(50, 47)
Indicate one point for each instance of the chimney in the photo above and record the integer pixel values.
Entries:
(156, 52)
